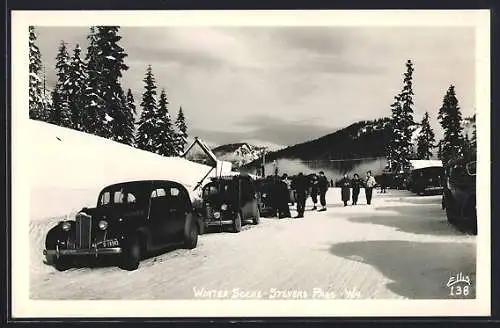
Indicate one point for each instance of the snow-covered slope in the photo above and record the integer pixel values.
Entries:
(68, 168)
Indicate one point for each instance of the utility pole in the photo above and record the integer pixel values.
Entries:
(264, 162)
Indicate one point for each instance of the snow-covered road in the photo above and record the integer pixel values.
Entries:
(399, 247)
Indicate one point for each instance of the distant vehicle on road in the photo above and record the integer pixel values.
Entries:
(426, 177)
(459, 195)
(230, 201)
(130, 220)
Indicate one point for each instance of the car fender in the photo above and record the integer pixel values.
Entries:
(191, 218)
(56, 234)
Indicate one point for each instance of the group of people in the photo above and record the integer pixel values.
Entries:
(315, 186)
(318, 186)
(356, 184)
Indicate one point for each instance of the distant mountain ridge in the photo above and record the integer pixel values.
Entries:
(363, 139)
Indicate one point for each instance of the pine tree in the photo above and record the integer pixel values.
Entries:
(400, 148)
(133, 109)
(165, 136)
(450, 119)
(181, 137)
(474, 136)
(131, 102)
(60, 113)
(94, 114)
(76, 82)
(426, 139)
(37, 108)
(148, 128)
(106, 106)
(124, 131)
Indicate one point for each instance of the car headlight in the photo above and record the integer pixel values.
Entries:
(217, 215)
(102, 225)
(223, 207)
(66, 226)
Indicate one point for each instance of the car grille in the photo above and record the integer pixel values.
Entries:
(209, 212)
(83, 231)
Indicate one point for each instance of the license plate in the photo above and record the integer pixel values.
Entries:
(110, 243)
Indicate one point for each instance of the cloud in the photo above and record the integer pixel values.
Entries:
(284, 85)
(271, 130)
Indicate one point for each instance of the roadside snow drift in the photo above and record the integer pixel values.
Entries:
(68, 168)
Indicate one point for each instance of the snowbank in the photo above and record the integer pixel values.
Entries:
(68, 168)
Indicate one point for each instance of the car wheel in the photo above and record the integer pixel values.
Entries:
(237, 223)
(256, 219)
(192, 236)
(131, 255)
(62, 264)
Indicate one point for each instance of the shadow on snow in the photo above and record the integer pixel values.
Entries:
(417, 270)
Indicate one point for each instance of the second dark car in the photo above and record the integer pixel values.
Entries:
(230, 201)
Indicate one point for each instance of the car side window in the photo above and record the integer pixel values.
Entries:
(159, 192)
(105, 198)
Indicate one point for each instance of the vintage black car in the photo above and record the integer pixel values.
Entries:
(130, 220)
(459, 195)
(427, 180)
(230, 201)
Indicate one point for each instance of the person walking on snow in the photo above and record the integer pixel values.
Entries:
(345, 185)
(314, 190)
(322, 188)
(370, 183)
(301, 184)
(356, 184)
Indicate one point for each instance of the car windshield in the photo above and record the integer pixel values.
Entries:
(134, 195)
(220, 189)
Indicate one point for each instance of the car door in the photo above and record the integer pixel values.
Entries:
(178, 210)
(246, 198)
(160, 216)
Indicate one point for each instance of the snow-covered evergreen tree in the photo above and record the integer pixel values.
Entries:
(474, 135)
(112, 57)
(60, 113)
(181, 136)
(94, 113)
(131, 102)
(426, 139)
(450, 119)
(125, 130)
(76, 82)
(400, 148)
(148, 127)
(37, 108)
(165, 137)
(105, 107)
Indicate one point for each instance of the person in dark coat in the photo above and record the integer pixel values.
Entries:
(301, 185)
(314, 190)
(282, 198)
(356, 185)
(345, 185)
(270, 190)
(322, 188)
(383, 183)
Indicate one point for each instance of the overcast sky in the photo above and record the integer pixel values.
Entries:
(279, 86)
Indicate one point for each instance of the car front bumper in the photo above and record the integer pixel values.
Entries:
(58, 252)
